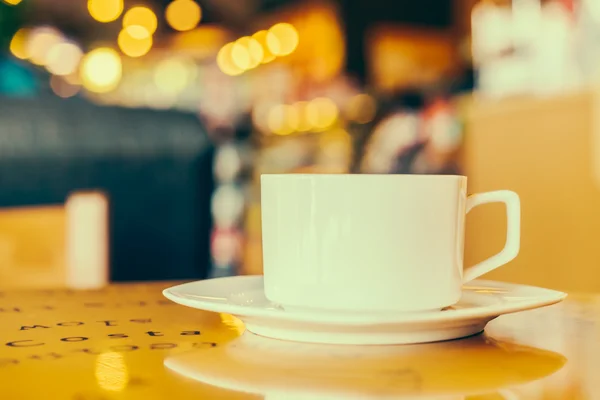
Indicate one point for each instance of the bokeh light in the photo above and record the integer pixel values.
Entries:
(253, 49)
(225, 61)
(292, 119)
(105, 10)
(63, 58)
(261, 38)
(301, 108)
(39, 43)
(101, 70)
(183, 15)
(321, 113)
(282, 119)
(137, 31)
(19, 42)
(171, 76)
(141, 16)
(282, 39)
(241, 56)
(63, 88)
(276, 120)
(134, 46)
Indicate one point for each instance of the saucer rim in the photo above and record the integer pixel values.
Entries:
(543, 297)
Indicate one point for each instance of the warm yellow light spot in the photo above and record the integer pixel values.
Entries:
(282, 39)
(171, 76)
(225, 61)
(142, 16)
(292, 119)
(254, 50)
(12, 2)
(134, 47)
(361, 108)
(241, 56)
(282, 119)
(321, 113)
(302, 112)
(105, 10)
(234, 323)
(62, 88)
(40, 42)
(63, 59)
(137, 32)
(183, 15)
(101, 70)
(111, 372)
(18, 43)
(261, 38)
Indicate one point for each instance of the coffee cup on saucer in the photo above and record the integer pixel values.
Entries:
(372, 243)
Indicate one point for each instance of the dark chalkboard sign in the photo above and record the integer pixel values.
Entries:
(156, 168)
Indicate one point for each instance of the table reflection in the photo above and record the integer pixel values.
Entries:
(476, 366)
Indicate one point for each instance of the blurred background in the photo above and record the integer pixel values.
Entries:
(133, 133)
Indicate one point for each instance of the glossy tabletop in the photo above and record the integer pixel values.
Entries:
(128, 342)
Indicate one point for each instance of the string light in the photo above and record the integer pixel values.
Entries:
(316, 115)
(277, 120)
(183, 15)
(240, 56)
(225, 61)
(303, 122)
(262, 47)
(101, 70)
(261, 38)
(251, 49)
(105, 10)
(321, 113)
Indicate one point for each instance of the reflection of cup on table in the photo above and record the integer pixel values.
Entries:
(290, 370)
(372, 242)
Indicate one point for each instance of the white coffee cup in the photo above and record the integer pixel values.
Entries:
(372, 242)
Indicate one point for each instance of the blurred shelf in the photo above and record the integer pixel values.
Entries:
(548, 151)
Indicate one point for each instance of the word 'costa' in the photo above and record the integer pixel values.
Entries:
(78, 323)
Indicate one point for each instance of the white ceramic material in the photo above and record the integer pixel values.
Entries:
(243, 297)
(372, 242)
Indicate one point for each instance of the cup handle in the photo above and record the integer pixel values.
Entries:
(513, 231)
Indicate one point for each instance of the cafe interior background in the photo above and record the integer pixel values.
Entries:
(133, 133)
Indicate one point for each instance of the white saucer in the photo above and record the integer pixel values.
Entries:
(243, 297)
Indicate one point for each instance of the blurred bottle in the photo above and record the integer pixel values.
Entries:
(498, 73)
(527, 49)
(587, 33)
(555, 64)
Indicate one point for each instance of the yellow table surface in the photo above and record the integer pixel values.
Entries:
(114, 344)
